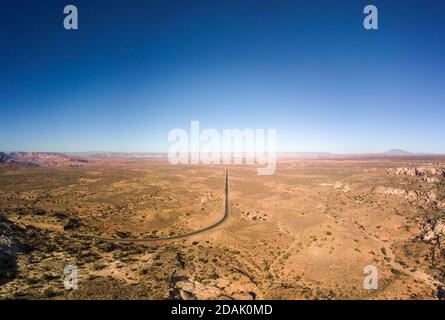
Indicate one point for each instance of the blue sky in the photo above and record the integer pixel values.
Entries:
(137, 69)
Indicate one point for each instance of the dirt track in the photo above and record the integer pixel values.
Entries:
(179, 236)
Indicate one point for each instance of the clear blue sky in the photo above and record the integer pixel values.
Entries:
(137, 69)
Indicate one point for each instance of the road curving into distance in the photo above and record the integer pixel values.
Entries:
(174, 237)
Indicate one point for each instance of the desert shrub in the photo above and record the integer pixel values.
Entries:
(396, 272)
(143, 272)
(48, 277)
(32, 281)
(98, 266)
(49, 293)
(213, 276)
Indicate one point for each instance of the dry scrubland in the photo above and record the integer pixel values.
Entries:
(305, 232)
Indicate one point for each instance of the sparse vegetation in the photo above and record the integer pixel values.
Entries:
(278, 242)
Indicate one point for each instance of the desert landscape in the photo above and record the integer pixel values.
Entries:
(140, 228)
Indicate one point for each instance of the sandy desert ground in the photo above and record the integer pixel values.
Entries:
(306, 232)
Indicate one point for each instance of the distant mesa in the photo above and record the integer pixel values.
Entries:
(397, 152)
(40, 159)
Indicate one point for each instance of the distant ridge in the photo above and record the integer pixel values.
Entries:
(79, 159)
(41, 159)
(392, 153)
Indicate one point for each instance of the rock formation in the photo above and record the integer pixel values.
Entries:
(433, 231)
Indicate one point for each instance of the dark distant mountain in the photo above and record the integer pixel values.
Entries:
(397, 152)
(6, 160)
(3, 157)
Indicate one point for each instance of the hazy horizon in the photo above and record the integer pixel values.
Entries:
(390, 151)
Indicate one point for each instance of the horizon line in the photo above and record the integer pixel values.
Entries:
(399, 152)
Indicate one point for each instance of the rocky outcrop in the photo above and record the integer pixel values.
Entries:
(419, 172)
(183, 286)
(337, 185)
(421, 197)
(428, 174)
(429, 179)
(424, 174)
(433, 231)
(390, 191)
(10, 247)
